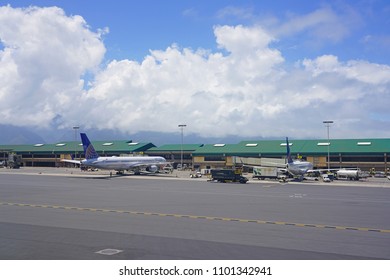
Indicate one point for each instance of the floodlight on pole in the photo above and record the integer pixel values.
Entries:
(327, 124)
(76, 127)
(181, 126)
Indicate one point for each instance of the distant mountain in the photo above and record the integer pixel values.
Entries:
(160, 138)
(12, 135)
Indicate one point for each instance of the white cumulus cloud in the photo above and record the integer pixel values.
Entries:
(45, 54)
(245, 88)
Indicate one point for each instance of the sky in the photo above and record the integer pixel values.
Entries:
(247, 68)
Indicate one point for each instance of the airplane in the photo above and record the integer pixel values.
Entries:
(297, 167)
(119, 164)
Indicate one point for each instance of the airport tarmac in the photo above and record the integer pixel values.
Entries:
(55, 213)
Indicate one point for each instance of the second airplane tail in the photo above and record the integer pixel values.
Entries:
(289, 159)
(89, 150)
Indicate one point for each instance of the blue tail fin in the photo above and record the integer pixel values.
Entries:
(89, 150)
(289, 159)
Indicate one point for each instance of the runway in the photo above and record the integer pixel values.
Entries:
(94, 217)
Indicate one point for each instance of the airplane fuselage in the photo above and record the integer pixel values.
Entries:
(122, 163)
(299, 168)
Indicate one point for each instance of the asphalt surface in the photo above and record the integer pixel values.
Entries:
(64, 214)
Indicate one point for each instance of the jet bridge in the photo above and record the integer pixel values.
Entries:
(270, 162)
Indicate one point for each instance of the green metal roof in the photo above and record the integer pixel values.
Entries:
(72, 146)
(219, 149)
(176, 148)
(302, 147)
(252, 148)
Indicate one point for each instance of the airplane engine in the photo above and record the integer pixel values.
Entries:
(152, 168)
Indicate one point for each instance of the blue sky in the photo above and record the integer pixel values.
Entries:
(223, 67)
(137, 26)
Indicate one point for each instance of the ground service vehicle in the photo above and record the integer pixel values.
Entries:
(262, 172)
(351, 174)
(196, 174)
(14, 161)
(325, 178)
(227, 175)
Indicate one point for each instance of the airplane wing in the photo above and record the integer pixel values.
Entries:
(152, 167)
(72, 161)
(146, 164)
(324, 169)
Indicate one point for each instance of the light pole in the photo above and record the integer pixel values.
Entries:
(182, 126)
(75, 140)
(327, 124)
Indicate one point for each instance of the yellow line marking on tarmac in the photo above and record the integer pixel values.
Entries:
(195, 217)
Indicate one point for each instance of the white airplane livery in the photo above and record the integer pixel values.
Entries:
(119, 164)
(297, 167)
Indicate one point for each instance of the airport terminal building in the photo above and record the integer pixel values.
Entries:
(50, 155)
(361, 153)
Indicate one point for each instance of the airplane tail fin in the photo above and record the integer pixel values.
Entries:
(289, 159)
(89, 150)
